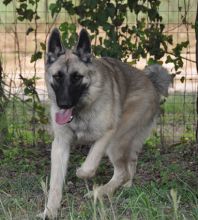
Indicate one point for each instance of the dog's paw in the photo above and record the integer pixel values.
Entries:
(89, 195)
(47, 214)
(102, 191)
(41, 216)
(84, 174)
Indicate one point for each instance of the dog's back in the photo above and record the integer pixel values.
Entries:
(139, 102)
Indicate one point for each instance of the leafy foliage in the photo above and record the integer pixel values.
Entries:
(28, 10)
(6, 2)
(112, 34)
(69, 35)
(39, 117)
(37, 55)
(24, 10)
(120, 39)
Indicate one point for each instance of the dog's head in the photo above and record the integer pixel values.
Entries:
(69, 75)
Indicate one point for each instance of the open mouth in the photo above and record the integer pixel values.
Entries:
(64, 116)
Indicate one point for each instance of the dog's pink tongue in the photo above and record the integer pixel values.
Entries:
(63, 116)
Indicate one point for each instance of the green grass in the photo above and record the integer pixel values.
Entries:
(180, 104)
(165, 188)
(178, 122)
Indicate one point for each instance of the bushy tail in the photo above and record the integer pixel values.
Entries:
(160, 78)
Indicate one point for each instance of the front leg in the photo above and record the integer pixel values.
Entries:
(59, 160)
(97, 151)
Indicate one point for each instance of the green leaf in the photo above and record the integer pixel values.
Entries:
(54, 8)
(23, 5)
(179, 8)
(64, 27)
(28, 100)
(6, 2)
(43, 46)
(27, 91)
(20, 18)
(32, 2)
(111, 9)
(36, 56)
(24, 13)
(29, 14)
(182, 79)
(151, 61)
(170, 39)
(29, 30)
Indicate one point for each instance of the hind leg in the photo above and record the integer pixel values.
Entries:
(134, 150)
(125, 146)
(123, 156)
(132, 170)
(121, 175)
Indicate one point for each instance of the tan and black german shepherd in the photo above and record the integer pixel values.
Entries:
(104, 103)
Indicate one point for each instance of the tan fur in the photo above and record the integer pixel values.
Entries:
(115, 116)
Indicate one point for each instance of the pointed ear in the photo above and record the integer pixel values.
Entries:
(83, 48)
(55, 47)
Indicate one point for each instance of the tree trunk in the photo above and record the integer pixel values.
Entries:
(196, 36)
(3, 118)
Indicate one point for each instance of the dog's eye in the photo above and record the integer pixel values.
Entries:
(75, 77)
(58, 76)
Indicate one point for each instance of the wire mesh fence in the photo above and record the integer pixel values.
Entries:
(17, 44)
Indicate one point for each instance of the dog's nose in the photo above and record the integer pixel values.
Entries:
(65, 106)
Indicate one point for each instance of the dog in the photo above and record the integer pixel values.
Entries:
(104, 103)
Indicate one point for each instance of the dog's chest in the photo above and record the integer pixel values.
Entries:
(89, 129)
